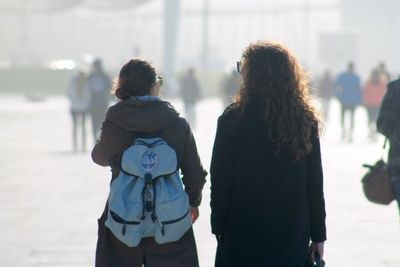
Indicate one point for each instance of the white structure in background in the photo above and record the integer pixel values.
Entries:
(205, 34)
(377, 25)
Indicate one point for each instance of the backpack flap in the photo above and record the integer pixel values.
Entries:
(125, 189)
(174, 218)
(169, 188)
(125, 209)
(152, 156)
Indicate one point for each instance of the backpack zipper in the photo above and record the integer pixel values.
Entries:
(171, 222)
(118, 219)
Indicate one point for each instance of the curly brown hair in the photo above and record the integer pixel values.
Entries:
(135, 78)
(272, 76)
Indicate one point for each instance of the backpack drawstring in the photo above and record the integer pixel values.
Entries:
(149, 205)
(153, 214)
(144, 204)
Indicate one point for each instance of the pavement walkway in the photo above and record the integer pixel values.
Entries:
(50, 198)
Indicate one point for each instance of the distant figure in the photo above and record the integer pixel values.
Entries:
(80, 98)
(325, 92)
(191, 94)
(373, 92)
(348, 92)
(388, 124)
(384, 72)
(230, 86)
(267, 199)
(99, 84)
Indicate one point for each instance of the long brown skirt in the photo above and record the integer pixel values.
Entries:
(111, 252)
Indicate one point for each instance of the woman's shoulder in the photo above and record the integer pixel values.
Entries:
(394, 86)
(230, 112)
(113, 108)
(392, 94)
(180, 123)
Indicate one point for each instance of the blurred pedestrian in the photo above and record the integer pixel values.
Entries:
(191, 94)
(388, 124)
(230, 86)
(373, 92)
(267, 198)
(99, 84)
(141, 113)
(326, 92)
(79, 98)
(384, 72)
(348, 92)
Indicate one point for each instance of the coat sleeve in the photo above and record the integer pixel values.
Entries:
(388, 122)
(222, 177)
(112, 142)
(192, 170)
(315, 193)
(100, 152)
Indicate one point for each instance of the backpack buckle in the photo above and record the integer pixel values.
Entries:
(148, 178)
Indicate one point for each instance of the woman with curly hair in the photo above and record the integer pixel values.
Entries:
(267, 199)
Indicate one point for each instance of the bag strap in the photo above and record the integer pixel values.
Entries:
(384, 147)
(385, 143)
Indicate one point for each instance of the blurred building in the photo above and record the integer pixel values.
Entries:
(377, 25)
(39, 31)
(208, 35)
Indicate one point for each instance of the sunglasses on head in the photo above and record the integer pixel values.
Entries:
(239, 66)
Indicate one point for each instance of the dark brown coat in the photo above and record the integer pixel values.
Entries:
(130, 119)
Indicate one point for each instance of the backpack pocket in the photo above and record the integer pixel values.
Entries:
(127, 228)
(174, 219)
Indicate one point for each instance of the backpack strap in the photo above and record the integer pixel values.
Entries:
(153, 214)
(384, 147)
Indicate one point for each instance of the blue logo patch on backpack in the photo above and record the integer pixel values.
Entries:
(147, 198)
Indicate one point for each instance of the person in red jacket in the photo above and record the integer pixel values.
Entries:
(373, 92)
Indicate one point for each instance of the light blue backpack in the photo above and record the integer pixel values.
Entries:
(147, 198)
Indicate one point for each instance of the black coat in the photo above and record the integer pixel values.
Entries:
(265, 206)
(388, 124)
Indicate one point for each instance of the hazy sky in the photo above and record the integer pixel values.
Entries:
(250, 3)
(116, 35)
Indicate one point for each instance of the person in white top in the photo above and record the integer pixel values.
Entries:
(79, 97)
(99, 84)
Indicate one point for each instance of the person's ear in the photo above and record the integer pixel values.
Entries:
(155, 90)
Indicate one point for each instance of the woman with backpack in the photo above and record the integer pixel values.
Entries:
(267, 200)
(141, 113)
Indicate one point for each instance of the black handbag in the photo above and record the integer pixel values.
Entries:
(376, 183)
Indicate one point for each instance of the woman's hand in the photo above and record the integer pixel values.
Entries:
(194, 211)
(317, 248)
